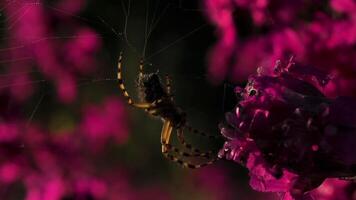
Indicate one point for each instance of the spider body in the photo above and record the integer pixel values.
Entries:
(151, 90)
(157, 100)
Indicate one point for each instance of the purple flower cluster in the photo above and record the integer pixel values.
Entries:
(259, 32)
(288, 134)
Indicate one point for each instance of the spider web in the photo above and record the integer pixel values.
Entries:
(173, 37)
(137, 27)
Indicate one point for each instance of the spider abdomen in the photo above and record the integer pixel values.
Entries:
(151, 88)
(166, 110)
(175, 115)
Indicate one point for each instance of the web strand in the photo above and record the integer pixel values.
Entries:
(153, 16)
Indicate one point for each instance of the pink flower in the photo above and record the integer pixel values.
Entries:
(288, 134)
(221, 14)
(102, 123)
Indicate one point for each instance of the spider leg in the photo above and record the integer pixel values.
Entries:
(151, 111)
(166, 134)
(201, 133)
(166, 148)
(198, 152)
(169, 87)
(188, 164)
(176, 150)
(123, 89)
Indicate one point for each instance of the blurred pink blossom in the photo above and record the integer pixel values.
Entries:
(209, 178)
(101, 123)
(318, 33)
(60, 166)
(334, 189)
(35, 40)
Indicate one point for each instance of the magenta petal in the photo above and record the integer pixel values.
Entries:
(290, 136)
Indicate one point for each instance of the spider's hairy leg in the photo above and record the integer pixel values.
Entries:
(166, 146)
(197, 152)
(152, 111)
(188, 164)
(201, 133)
(123, 89)
(172, 148)
(169, 86)
(166, 134)
(141, 68)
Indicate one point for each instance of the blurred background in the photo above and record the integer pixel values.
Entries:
(66, 131)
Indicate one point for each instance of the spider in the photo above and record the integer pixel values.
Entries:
(157, 100)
